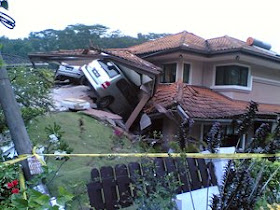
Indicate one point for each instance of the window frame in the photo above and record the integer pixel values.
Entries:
(176, 72)
(232, 87)
(190, 72)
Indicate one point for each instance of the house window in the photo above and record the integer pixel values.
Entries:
(232, 75)
(169, 73)
(186, 73)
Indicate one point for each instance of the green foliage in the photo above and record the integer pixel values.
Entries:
(78, 36)
(272, 189)
(7, 175)
(213, 138)
(36, 200)
(246, 180)
(31, 88)
(153, 192)
(11, 197)
(96, 138)
(247, 118)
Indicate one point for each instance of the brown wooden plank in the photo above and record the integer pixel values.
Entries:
(109, 188)
(137, 110)
(135, 177)
(211, 170)
(148, 174)
(170, 165)
(159, 167)
(123, 182)
(204, 172)
(195, 183)
(183, 174)
(94, 190)
(171, 169)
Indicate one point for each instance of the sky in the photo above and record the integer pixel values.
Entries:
(206, 18)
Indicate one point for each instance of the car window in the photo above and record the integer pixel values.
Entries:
(110, 68)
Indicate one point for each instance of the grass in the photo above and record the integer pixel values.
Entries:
(92, 137)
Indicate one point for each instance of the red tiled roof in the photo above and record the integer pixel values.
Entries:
(124, 54)
(201, 102)
(184, 38)
(192, 42)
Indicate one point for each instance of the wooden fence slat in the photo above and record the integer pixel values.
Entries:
(148, 174)
(206, 179)
(95, 190)
(183, 174)
(212, 174)
(195, 183)
(123, 181)
(159, 167)
(112, 188)
(170, 165)
(171, 168)
(135, 175)
(109, 187)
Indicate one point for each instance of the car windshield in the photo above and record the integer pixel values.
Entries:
(110, 68)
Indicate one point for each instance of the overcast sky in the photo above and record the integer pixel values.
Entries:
(205, 18)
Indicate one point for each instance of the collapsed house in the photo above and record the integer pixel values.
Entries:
(210, 81)
(141, 74)
(206, 80)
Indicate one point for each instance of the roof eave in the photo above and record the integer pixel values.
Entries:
(209, 54)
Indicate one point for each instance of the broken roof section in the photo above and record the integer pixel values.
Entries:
(190, 42)
(202, 102)
(15, 60)
(83, 56)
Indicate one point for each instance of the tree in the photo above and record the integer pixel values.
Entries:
(31, 88)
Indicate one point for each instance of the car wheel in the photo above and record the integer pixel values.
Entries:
(104, 102)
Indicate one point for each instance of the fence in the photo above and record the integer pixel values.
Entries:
(112, 188)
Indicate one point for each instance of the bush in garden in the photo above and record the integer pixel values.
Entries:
(245, 181)
(31, 88)
(153, 192)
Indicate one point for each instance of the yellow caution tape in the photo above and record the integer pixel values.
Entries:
(38, 157)
(18, 159)
(152, 155)
(22, 184)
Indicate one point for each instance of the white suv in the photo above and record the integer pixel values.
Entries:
(112, 89)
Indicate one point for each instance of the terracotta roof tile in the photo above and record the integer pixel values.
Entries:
(201, 102)
(225, 43)
(125, 54)
(192, 42)
(184, 39)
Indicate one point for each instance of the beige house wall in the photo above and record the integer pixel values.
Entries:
(261, 92)
(264, 84)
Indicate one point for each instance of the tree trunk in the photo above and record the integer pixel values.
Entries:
(14, 119)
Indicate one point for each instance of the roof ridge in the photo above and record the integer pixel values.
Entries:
(230, 38)
(183, 37)
(149, 41)
(13, 55)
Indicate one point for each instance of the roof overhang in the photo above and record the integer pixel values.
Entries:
(271, 61)
(57, 57)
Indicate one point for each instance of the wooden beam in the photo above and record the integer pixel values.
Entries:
(137, 110)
